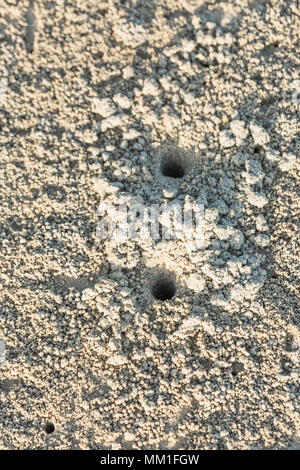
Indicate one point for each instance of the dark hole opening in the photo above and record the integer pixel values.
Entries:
(164, 289)
(49, 428)
(172, 169)
(237, 367)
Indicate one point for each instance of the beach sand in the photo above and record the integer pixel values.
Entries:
(136, 342)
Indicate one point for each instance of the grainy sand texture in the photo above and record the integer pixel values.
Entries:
(140, 342)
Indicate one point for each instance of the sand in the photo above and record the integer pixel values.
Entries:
(142, 343)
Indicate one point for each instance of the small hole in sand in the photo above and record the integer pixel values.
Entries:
(237, 367)
(164, 289)
(172, 168)
(49, 428)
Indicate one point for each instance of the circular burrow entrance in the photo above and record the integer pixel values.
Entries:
(257, 149)
(172, 168)
(164, 289)
(49, 428)
(174, 162)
